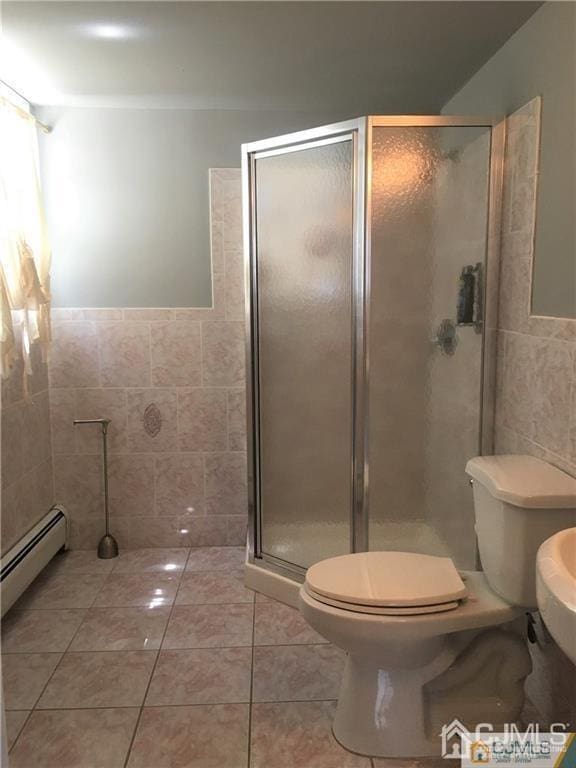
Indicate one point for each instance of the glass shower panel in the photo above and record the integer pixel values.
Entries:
(304, 246)
(429, 202)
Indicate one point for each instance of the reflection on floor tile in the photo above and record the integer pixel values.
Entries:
(151, 560)
(298, 735)
(53, 590)
(209, 626)
(122, 629)
(107, 642)
(80, 738)
(199, 737)
(14, 722)
(126, 589)
(201, 676)
(297, 672)
(216, 558)
(24, 676)
(279, 624)
(38, 631)
(102, 679)
(219, 587)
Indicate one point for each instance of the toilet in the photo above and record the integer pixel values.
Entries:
(427, 643)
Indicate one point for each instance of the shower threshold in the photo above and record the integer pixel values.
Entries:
(304, 544)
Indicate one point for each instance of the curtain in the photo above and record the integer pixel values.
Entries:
(24, 248)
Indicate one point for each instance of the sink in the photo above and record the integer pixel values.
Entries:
(556, 588)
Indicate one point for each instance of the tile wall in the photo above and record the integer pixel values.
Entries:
(536, 392)
(172, 381)
(27, 477)
(536, 397)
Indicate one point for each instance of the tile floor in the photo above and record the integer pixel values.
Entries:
(163, 659)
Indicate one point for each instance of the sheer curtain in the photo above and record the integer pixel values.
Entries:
(24, 248)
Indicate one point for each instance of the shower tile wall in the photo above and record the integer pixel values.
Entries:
(536, 393)
(172, 381)
(27, 481)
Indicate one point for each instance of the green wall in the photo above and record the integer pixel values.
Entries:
(540, 59)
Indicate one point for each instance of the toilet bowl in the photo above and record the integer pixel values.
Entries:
(395, 649)
(427, 644)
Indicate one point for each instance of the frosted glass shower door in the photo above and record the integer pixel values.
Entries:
(303, 202)
(429, 222)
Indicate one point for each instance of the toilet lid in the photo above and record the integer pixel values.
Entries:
(390, 579)
(383, 610)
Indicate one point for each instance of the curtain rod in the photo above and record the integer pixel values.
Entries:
(43, 127)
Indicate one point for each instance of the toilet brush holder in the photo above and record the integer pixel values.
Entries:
(108, 546)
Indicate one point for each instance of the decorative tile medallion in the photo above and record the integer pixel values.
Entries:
(152, 420)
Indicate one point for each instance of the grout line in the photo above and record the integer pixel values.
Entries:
(34, 708)
(141, 710)
(251, 695)
(24, 724)
(176, 706)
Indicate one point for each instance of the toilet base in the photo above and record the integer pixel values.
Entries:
(380, 712)
(398, 712)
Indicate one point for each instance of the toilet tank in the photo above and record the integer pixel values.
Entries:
(519, 502)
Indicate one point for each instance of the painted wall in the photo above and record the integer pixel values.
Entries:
(540, 59)
(126, 194)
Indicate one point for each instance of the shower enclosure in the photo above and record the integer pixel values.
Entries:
(371, 271)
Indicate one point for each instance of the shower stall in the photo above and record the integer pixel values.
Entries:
(371, 281)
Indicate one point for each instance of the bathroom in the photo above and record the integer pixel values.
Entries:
(280, 280)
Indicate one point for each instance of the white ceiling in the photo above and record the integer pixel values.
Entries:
(358, 56)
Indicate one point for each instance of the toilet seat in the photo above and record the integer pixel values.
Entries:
(387, 583)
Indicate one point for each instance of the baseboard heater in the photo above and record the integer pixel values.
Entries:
(21, 564)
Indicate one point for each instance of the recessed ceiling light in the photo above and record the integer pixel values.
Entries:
(110, 31)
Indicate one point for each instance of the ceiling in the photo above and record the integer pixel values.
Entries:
(361, 56)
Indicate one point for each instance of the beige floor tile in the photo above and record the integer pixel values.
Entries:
(24, 676)
(122, 629)
(279, 624)
(99, 679)
(201, 676)
(199, 737)
(80, 561)
(216, 587)
(298, 735)
(297, 672)
(215, 558)
(151, 560)
(14, 723)
(209, 626)
(77, 738)
(261, 598)
(132, 589)
(39, 631)
(53, 590)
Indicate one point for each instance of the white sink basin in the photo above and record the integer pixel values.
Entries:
(556, 588)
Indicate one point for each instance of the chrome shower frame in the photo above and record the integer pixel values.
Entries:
(359, 131)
